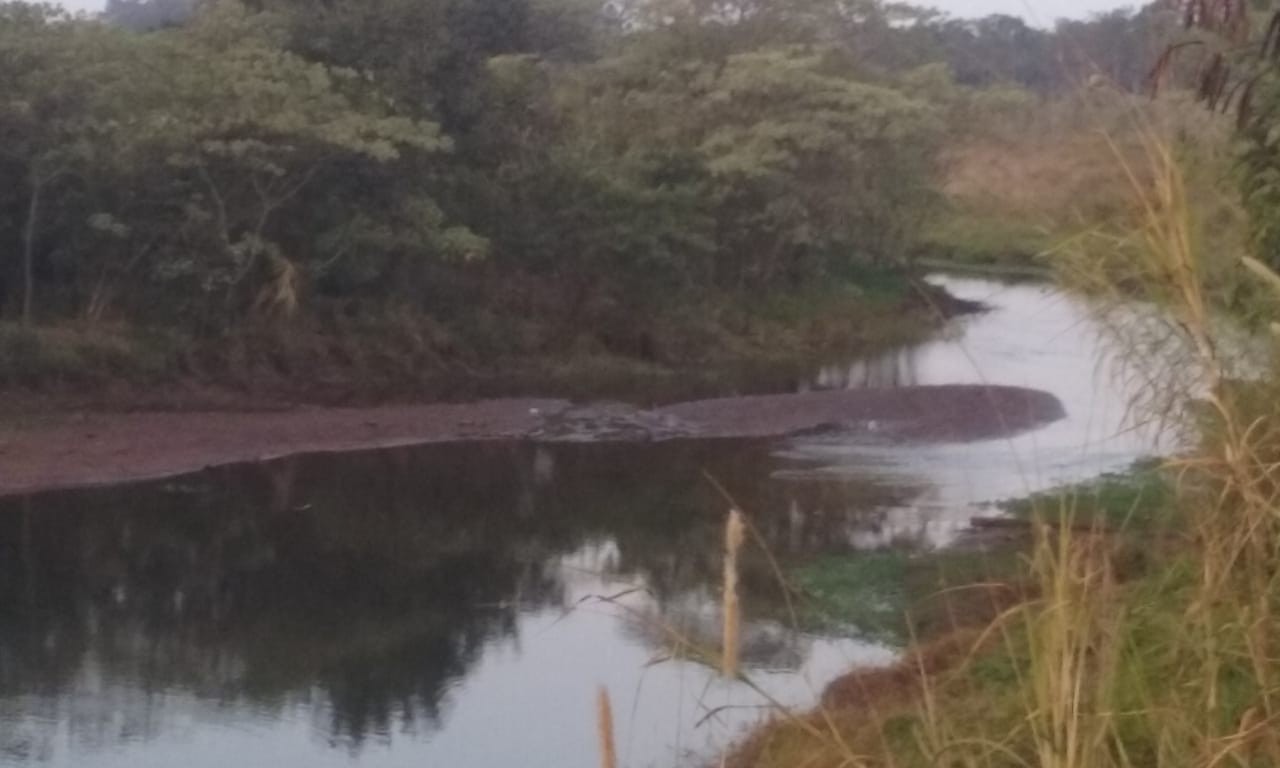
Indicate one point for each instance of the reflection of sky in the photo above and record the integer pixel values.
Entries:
(1037, 12)
(527, 701)
(656, 706)
(1036, 337)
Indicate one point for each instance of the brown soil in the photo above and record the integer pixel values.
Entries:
(902, 682)
(88, 449)
(970, 612)
(868, 695)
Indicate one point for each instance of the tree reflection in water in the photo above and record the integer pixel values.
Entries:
(359, 588)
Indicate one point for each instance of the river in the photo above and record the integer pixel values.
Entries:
(460, 605)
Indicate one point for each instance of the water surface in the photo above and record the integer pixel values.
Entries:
(459, 605)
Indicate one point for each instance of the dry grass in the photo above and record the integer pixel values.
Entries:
(1025, 195)
(1179, 667)
(1040, 178)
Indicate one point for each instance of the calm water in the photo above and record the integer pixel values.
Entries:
(460, 605)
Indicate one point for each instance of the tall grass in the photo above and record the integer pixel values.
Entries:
(1173, 663)
(1178, 668)
(1167, 658)
(1222, 689)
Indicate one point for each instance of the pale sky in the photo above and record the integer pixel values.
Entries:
(1041, 12)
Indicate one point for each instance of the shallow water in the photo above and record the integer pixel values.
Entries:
(459, 605)
(1036, 336)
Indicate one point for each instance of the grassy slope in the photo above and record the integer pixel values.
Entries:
(1152, 641)
(1115, 658)
(874, 592)
(963, 688)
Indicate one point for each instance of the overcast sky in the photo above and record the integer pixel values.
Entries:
(1042, 12)
(1036, 11)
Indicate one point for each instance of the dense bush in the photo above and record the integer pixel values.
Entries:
(231, 165)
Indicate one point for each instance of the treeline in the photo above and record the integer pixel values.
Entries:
(498, 174)
(1118, 48)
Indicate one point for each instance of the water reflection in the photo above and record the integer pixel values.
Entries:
(895, 368)
(356, 602)
(440, 606)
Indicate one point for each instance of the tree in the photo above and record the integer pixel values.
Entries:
(259, 125)
(55, 120)
(214, 120)
(519, 174)
(808, 165)
(1239, 70)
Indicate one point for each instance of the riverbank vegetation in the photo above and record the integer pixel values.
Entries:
(440, 184)
(1146, 629)
(408, 195)
(1139, 498)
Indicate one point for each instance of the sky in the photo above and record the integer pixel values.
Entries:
(1041, 12)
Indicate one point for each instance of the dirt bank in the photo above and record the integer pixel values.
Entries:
(103, 448)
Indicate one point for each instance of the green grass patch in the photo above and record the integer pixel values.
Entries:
(985, 239)
(865, 592)
(41, 356)
(856, 287)
(1145, 671)
(1140, 498)
(892, 596)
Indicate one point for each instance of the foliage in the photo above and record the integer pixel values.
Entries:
(895, 596)
(1231, 46)
(548, 177)
(167, 160)
(1171, 664)
(51, 358)
(247, 166)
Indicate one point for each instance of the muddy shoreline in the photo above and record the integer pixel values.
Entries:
(95, 449)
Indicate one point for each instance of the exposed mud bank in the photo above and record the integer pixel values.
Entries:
(105, 448)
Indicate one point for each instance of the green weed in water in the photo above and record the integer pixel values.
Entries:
(892, 595)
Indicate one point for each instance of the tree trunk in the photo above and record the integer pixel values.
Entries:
(29, 251)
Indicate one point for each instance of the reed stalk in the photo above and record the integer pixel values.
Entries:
(604, 727)
(734, 536)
